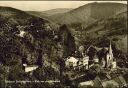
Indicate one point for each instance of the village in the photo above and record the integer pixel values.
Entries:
(89, 71)
(99, 72)
(86, 68)
(107, 61)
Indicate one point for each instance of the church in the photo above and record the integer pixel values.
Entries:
(109, 60)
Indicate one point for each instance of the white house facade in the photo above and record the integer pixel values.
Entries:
(71, 62)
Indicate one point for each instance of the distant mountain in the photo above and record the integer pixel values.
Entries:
(100, 32)
(49, 12)
(18, 16)
(37, 13)
(89, 13)
(56, 11)
(95, 21)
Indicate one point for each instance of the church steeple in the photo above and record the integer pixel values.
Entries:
(110, 50)
(109, 56)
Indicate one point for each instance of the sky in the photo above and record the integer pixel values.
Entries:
(47, 5)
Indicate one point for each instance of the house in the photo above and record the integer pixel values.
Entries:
(86, 61)
(71, 62)
(111, 83)
(29, 68)
(114, 65)
(77, 63)
(96, 83)
(85, 84)
(96, 59)
(117, 82)
(21, 34)
(103, 63)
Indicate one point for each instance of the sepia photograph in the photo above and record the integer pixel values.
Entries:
(63, 44)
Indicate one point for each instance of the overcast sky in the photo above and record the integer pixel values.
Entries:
(47, 5)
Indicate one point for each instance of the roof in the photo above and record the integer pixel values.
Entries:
(109, 82)
(87, 83)
(30, 68)
(110, 48)
(86, 57)
(97, 82)
(120, 80)
(72, 59)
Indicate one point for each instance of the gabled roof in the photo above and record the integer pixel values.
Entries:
(120, 80)
(72, 59)
(97, 82)
(109, 82)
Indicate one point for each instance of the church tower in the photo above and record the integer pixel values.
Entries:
(110, 50)
(109, 56)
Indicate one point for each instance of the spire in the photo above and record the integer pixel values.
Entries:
(110, 49)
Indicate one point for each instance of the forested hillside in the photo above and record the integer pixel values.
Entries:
(33, 38)
(89, 13)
